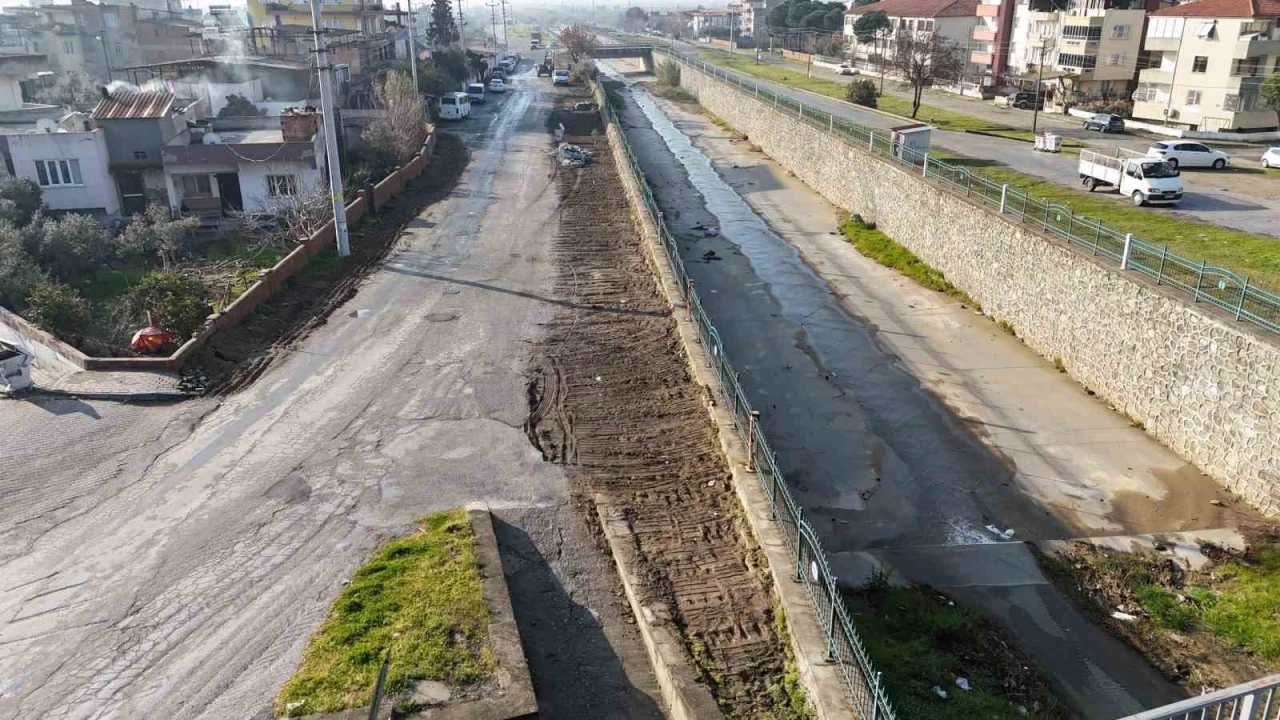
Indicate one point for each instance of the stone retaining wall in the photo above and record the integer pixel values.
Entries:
(1207, 387)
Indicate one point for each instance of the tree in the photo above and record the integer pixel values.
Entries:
(861, 92)
(176, 303)
(635, 19)
(453, 61)
(20, 199)
(578, 41)
(867, 27)
(401, 129)
(668, 73)
(73, 88)
(1270, 94)
(831, 47)
(442, 30)
(777, 17)
(153, 231)
(923, 62)
(57, 308)
(798, 11)
(240, 106)
(19, 271)
(857, 3)
(72, 244)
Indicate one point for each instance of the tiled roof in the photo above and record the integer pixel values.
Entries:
(134, 105)
(1223, 9)
(920, 8)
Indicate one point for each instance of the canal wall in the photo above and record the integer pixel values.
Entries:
(1205, 386)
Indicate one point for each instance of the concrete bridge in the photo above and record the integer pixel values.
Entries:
(644, 52)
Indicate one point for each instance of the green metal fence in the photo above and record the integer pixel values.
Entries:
(1218, 286)
(843, 645)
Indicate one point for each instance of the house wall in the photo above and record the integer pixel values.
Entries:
(10, 92)
(98, 192)
(253, 182)
(1127, 68)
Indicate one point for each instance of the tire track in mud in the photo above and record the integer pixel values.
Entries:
(611, 398)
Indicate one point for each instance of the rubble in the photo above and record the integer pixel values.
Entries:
(574, 155)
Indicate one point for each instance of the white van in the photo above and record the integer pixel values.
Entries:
(475, 91)
(1144, 179)
(455, 106)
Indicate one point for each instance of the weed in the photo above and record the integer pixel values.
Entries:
(1057, 365)
(1008, 328)
(880, 247)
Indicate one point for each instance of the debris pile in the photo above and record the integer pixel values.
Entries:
(584, 107)
(574, 155)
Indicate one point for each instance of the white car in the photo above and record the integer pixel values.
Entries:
(560, 77)
(1271, 158)
(1185, 153)
(844, 69)
(497, 85)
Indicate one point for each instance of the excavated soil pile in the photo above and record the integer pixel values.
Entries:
(611, 398)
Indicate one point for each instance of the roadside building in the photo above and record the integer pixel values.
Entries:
(15, 71)
(706, 22)
(952, 20)
(137, 126)
(1208, 60)
(70, 163)
(367, 18)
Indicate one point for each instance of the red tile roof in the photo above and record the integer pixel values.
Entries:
(134, 105)
(1223, 9)
(921, 8)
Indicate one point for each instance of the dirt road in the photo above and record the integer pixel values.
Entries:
(172, 561)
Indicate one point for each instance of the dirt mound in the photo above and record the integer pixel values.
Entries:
(236, 356)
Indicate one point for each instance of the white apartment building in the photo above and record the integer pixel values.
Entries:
(1099, 44)
(1207, 62)
(952, 20)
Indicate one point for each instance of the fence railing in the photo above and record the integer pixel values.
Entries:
(1218, 286)
(843, 645)
(1257, 700)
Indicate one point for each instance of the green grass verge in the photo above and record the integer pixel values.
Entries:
(419, 597)
(1256, 256)
(920, 639)
(873, 243)
(672, 92)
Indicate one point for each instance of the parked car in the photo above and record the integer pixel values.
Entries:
(560, 77)
(497, 85)
(475, 91)
(1271, 158)
(455, 106)
(1103, 122)
(845, 69)
(1026, 100)
(1142, 179)
(1184, 153)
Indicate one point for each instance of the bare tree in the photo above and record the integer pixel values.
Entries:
(291, 219)
(924, 61)
(402, 127)
(579, 41)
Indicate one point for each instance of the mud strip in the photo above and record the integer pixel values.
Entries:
(611, 398)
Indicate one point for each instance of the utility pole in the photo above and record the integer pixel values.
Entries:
(1035, 103)
(413, 50)
(462, 38)
(882, 52)
(331, 131)
(506, 45)
(493, 22)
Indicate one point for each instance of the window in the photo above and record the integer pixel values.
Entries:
(1120, 32)
(282, 185)
(1164, 28)
(1240, 103)
(1115, 59)
(68, 48)
(139, 154)
(1208, 30)
(1193, 98)
(1200, 64)
(1248, 66)
(119, 49)
(1074, 60)
(1081, 32)
(111, 20)
(1107, 88)
(56, 173)
(1147, 92)
(194, 185)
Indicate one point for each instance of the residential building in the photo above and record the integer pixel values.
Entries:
(271, 83)
(368, 17)
(1100, 48)
(952, 20)
(1036, 36)
(70, 163)
(15, 70)
(1207, 62)
(229, 166)
(137, 127)
(702, 21)
(751, 18)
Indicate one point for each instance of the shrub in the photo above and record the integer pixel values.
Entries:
(669, 72)
(176, 303)
(19, 272)
(153, 231)
(861, 92)
(20, 200)
(57, 308)
(240, 106)
(583, 71)
(72, 244)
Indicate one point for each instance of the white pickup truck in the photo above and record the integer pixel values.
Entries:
(1147, 180)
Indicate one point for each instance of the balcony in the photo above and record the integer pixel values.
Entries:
(980, 58)
(983, 34)
(1256, 47)
(988, 11)
(1156, 76)
(1049, 18)
(1162, 44)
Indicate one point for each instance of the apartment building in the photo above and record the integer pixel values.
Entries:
(368, 17)
(1099, 47)
(702, 21)
(1207, 62)
(953, 20)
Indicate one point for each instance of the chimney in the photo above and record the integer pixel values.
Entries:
(297, 125)
(106, 94)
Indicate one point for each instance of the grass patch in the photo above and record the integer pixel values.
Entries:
(672, 92)
(1256, 256)
(920, 639)
(1212, 627)
(873, 243)
(419, 597)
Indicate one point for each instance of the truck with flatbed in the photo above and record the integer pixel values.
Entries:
(535, 40)
(1146, 180)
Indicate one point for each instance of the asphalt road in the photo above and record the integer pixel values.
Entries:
(1200, 201)
(172, 561)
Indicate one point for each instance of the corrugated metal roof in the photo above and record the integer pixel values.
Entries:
(134, 105)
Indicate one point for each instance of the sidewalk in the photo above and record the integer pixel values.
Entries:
(123, 385)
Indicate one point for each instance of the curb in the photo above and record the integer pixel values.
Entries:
(124, 397)
(825, 686)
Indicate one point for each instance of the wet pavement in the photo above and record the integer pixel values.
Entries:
(904, 423)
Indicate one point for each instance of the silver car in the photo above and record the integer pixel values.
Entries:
(1186, 153)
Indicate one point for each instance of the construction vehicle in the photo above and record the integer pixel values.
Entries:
(535, 40)
(545, 67)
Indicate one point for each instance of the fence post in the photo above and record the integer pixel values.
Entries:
(1160, 272)
(1004, 196)
(1244, 289)
(831, 623)
(871, 141)
(1128, 246)
(1199, 279)
(378, 686)
(799, 539)
(752, 419)
(688, 298)
(831, 124)
(925, 172)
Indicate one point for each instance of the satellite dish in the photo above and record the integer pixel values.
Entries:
(45, 125)
(211, 138)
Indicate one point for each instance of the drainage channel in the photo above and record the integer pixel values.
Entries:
(882, 468)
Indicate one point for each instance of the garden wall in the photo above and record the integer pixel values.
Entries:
(270, 282)
(1206, 386)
